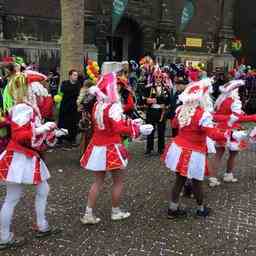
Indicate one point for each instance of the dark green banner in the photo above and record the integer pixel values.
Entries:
(118, 9)
(187, 14)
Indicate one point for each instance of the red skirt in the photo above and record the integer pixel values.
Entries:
(105, 158)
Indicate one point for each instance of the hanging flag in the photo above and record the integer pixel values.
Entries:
(187, 14)
(118, 9)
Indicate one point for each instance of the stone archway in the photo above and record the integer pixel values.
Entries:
(127, 42)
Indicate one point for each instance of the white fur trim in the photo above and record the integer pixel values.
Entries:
(116, 112)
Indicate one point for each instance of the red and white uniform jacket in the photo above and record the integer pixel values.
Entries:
(21, 161)
(186, 154)
(225, 108)
(106, 151)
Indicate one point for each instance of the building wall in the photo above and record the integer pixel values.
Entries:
(32, 20)
(245, 27)
(34, 26)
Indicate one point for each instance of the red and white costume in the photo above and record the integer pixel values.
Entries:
(228, 106)
(106, 151)
(21, 161)
(186, 154)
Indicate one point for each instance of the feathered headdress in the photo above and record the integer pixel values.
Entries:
(232, 85)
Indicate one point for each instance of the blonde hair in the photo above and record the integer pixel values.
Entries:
(18, 88)
(187, 111)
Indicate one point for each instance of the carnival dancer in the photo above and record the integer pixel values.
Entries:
(106, 153)
(85, 103)
(228, 115)
(21, 163)
(186, 155)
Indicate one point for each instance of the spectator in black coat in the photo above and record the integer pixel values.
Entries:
(68, 114)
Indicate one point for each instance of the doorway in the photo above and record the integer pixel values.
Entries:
(126, 44)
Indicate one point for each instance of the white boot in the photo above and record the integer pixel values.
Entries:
(213, 182)
(229, 177)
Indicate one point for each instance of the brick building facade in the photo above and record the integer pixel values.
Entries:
(32, 29)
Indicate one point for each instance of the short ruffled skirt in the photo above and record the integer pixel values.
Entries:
(16, 167)
(105, 158)
(186, 162)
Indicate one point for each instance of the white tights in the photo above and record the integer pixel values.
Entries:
(13, 195)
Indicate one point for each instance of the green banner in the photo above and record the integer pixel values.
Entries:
(187, 14)
(118, 9)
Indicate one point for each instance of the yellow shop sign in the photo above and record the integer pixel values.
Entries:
(194, 42)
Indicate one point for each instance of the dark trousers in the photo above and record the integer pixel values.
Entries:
(72, 133)
(69, 122)
(153, 117)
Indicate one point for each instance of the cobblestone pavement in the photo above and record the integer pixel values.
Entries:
(230, 230)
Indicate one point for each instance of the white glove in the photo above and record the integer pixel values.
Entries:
(49, 126)
(138, 121)
(146, 129)
(233, 118)
(61, 132)
(239, 135)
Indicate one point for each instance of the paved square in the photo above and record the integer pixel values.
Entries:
(230, 230)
